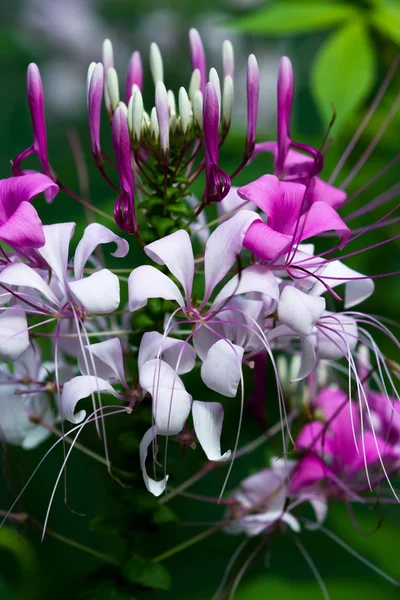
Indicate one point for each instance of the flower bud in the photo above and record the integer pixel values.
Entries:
(156, 64)
(36, 107)
(227, 101)
(95, 96)
(124, 209)
(154, 128)
(171, 103)
(228, 59)
(184, 109)
(214, 79)
(113, 88)
(194, 84)
(89, 77)
(162, 116)
(108, 62)
(198, 56)
(124, 108)
(284, 107)
(198, 108)
(253, 89)
(134, 76)
(137, 114)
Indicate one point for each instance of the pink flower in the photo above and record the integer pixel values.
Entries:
(20, 225)
(290, 219)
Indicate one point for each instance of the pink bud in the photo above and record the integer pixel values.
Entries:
(95, 97)
(217, 181)
(198, 56)
(36, 107)
(284, 107)
(124, 209)
(134, 75)
(253, 89)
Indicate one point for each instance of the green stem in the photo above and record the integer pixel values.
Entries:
(197, 538)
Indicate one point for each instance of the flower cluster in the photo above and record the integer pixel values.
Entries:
(255, 294)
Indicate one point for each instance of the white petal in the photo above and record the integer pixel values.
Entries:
(223, 247)
(14, 337)
(171, 402)
(94, 235)
(298, 310)
(14, 421)
(110, 363)
(175, 251)
(356, 290)
(19, 274)
(207, 419)
(308, 360)
(55, 250)
(155, 345)
(221, 371)
(291, 521)
(148, 282)
(78, 388)
(232, 203)
(155, 487)
(256, 278)
(203, 339)
(337, 335)
(98, 293)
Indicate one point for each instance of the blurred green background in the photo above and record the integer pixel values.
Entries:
(341, 53)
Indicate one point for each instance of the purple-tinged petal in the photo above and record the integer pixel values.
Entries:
(311, 470)
(163, 117)
(299, 311)
(124, 210)
(284, 107)
(314, 436)
(14, 338)
(320, 218)
(78, 388)
(253, 90)
(256, 278)
(229, 236)
(266, 243)
(36, 107)
(376, 449)
(94, 235)
(207, 419)
(232, 203)
(95, 97)
(55, 250)
(198, 56)
(156, 345)
(134, 75)
(23, 229)
(15, 190)
(176, 253)
(110, 360)
(228, 61)
(337, 336)
(357, 288)
(148, 282)
(154, 487)
(308, 360)
(171, 402)
(221, 370)
(98, 293)
(19, 274)
(322, 191)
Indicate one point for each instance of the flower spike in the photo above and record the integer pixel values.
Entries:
(124, 210)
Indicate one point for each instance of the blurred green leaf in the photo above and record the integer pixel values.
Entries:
(291, 18)
(24, 555)
(343, 72)
(147, 573)
(163, 514)
(387, 20)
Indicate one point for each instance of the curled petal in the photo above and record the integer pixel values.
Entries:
(55, 250)
(154, 487)
(98, 293)
(110, 363)
(148, 282)
(221, 370)
(357, 287)
(155, 345)
(207, 419)
(175, 251)
(308, 360)
(19, 274)
(94, 235)
(78, 388)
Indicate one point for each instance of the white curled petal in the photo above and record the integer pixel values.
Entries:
(98, 293)
(337, 273)
(308, 360)
(207, 419)
(19, 274)
(256, 278)
(223, 247)
(148, 282)
(78, 388)
(337, 336)
(171, 402)
(176, 253)
(55, 250)
(155, 345)
(298, 310)
(94, 235)
(291, 521)
(109, 355)
(222, 369)
(154, 487)
(14, 337)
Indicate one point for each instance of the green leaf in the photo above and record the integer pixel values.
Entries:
(147, 573)
(291, 18)
(108, 524)
(387, 20)
(163, 514)
(343, 72)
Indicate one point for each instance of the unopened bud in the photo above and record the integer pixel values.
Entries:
(184, 109)
(89, 78)
(162, 116)
(194, 84)
(108, 62)
(137, 114)
(156, 64)
(124, 108)
(214, 79)
(198, 108)
(154, 128)
(227, 101)
(171, 103)
(113, 88)
(198, 56)
(228, 63)
(134, 75)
